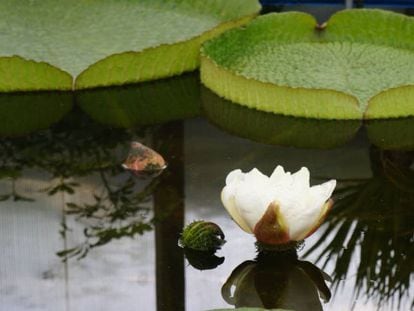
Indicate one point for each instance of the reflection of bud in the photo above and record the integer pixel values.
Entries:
(277, 280)
(143, 161)
(202, 260)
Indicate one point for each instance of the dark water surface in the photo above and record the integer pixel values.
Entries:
(78, 232)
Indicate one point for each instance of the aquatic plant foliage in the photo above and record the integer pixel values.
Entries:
(49, 45)
(360, 64)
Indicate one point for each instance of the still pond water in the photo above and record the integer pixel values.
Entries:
(78, 232)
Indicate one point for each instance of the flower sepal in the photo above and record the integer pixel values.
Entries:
(279, 248)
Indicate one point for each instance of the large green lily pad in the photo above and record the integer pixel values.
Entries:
(360, 64)
(66, 44)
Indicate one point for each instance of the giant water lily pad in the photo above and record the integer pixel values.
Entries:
(48, 45)
(360, 64)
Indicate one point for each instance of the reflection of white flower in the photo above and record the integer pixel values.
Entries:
(277, 209)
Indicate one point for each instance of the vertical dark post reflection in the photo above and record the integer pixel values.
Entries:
(169, 215)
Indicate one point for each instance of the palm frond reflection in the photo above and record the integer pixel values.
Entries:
(372, 223)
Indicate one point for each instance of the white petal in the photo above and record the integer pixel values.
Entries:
(255, 176)
(304, 223)
(301, 181)
(319, 194)
(292, 207)
(310, 215)
(252, 201)
(277, 174)
(233, 176)
(227, 198)
(280, 178)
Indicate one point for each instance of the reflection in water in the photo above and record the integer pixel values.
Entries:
(375, 218)
(372, 217)
(17, 111)
(202, 260)
(169, 205)
(120, 206)
(67, 155)
(269, 128)
(277, 280)
(145, 103)
(118, 212)
(275, 129)
(392, 134)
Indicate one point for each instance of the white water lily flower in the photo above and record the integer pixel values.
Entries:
(278, 209)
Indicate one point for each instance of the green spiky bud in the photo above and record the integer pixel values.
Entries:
(202, 236)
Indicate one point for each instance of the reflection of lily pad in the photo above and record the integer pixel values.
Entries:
(361, 65)
(107, 42)
(275, 129)
(17, 111)
(144, 103)
(394, 134)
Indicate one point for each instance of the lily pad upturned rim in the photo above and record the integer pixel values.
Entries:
(219, 72)
(25, 67)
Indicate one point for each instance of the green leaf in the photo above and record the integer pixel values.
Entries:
(361, 65)
(107, 42)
